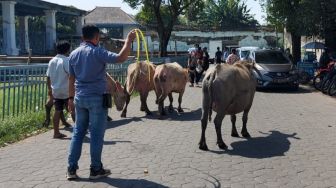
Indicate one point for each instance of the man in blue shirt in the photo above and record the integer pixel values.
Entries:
(87, 84)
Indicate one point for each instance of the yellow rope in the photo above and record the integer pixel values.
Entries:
(138, 46)
(137, 31)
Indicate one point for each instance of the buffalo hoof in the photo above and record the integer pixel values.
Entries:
(203, 146)
(222, 146)
(180, 110)
(234, 134)
(149, 113)
(246, 135)
(161, 117)
(123, 115)
(142, 109)
(163, 113)
(171, 109)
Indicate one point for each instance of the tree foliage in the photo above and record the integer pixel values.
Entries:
(226, 15)
(162, 15)
(308, 17)
(66, 25)
(303, 17)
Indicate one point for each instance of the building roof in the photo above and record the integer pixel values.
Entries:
(109, 16)
(37, 8)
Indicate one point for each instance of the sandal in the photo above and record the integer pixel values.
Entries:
(60, 136)
(67, 125)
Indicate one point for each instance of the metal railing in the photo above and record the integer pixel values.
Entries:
(23, 88)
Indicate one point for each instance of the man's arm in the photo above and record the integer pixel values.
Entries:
(71, 105)
(49, 86)
(125, 51)
(71, 86)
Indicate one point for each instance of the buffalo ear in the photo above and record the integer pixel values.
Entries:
(125, 90)
(118, 86)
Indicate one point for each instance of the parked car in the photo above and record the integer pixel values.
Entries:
(244, 52)
(273, 69)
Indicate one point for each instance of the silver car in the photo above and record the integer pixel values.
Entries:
(273, 69)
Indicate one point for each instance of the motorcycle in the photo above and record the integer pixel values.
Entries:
(332, 87)
(321, 76)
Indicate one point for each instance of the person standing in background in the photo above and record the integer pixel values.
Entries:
(58, 84)
(218, 56)
(232, 57)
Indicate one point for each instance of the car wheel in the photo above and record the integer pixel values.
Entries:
(295, 87)
(304, 78)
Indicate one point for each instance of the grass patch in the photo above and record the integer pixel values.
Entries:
(17, 98)
(13, 129)
(135, 94)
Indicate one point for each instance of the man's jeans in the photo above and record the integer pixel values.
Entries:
(89, 114)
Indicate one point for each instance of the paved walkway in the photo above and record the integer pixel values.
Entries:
(293, 145)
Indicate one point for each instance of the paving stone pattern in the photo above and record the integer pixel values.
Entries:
(293, 145)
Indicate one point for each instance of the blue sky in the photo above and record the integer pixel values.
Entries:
(252, 4)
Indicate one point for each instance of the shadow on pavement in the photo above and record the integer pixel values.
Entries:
(274, 144)
(87, 139)
(124, 183)
(171, 116)
(186, 116)
(120, 122)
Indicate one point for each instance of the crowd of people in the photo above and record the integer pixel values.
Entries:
(198, 61)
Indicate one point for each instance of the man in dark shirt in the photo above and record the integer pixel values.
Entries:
(218, 56)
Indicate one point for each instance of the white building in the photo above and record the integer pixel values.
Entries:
(21, 10)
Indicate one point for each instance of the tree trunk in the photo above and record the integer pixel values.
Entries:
(164, 36)
(296, 47)
(163, 46)
(330, 40)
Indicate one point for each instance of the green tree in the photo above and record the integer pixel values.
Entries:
(226, 15)
(288, 14)
(66, 25)
(303, 17)
(162, 15)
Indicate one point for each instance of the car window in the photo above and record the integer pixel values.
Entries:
(244, 54)
(271, 57)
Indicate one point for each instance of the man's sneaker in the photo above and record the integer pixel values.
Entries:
(71, 175)
(99, 174)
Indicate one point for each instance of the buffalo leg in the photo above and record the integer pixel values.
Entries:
(244, 130)
(234, 132)
(180, 101)
(161, 104)
(144, 107)
(171, 108)
(161, 109)
(128, 98)
(218, 125)
(204, 121)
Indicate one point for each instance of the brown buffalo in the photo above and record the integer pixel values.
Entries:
(113, 87)
(168, 78)
(140, 79)
(227, 90)
(117, 91)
